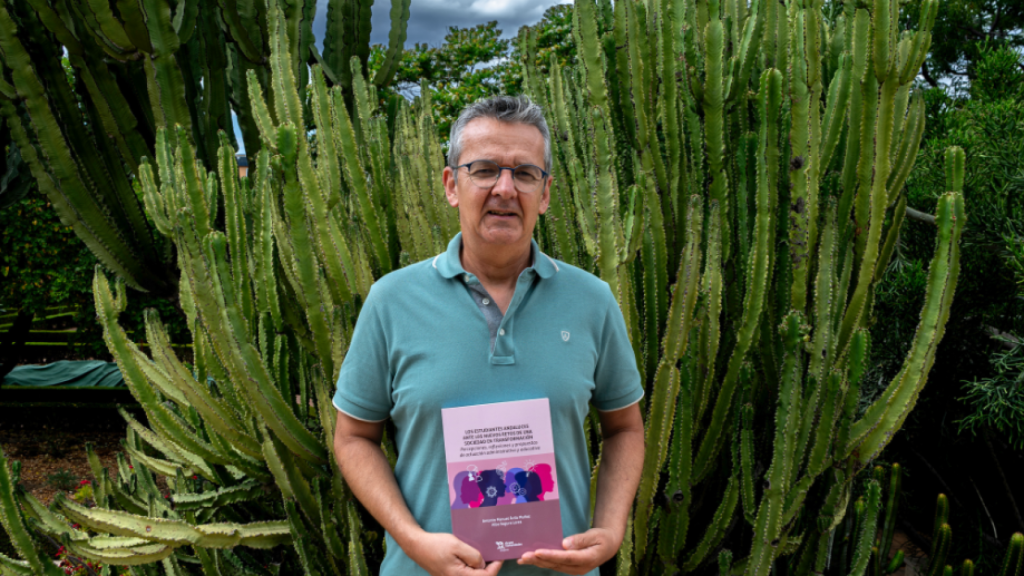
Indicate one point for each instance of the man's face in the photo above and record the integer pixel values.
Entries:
(500, 215)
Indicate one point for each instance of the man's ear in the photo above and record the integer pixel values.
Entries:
(448, 178)
(545, 199)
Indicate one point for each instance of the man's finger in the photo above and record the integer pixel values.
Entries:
(581, 541)
(557, 558)
(493, 567)
(565, 557)
(470, 556)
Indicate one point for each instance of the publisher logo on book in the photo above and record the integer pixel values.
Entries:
(504, 546)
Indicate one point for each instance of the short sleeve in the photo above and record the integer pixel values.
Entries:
(616, 378)
(364, 383)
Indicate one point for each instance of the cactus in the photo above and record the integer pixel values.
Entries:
(1013, 563)
(884, 565)
(741, 216)
(815, 158)
(148, 65)
(941, 538)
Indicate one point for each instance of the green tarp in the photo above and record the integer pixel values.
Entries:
(72, 374)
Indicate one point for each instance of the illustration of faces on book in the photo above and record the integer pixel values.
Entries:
(502, 485)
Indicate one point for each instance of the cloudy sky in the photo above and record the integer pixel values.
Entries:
(429, 19)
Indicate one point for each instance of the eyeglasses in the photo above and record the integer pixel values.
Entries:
(527, 178)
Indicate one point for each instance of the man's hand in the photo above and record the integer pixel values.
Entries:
(446, 555)
(357, 449)
(583, 552)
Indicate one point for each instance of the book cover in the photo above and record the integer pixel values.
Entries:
(502, 484)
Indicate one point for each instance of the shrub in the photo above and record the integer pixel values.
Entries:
(63, 480)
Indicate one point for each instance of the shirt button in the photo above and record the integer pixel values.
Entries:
(486, 301)
(501, 332)
(466, 277)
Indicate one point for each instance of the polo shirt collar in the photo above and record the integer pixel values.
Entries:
(449, 264)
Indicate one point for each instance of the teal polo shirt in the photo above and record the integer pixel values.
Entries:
(422, 344)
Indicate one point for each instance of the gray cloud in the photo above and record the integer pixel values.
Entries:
(430, 19)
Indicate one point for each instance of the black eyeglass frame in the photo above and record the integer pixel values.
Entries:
(543, 178)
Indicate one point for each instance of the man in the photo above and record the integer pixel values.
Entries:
(492, 319)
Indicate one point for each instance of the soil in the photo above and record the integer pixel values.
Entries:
(916, 560)
(46, 451)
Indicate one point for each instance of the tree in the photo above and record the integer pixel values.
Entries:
(473, 63)
(463, 69)
(963, 30)
(554, 38)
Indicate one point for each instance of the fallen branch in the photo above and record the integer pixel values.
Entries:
(1008, 341)
(920, 216)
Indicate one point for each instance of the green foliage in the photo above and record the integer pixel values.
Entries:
(997, 402)
(41, 260)
(84, 494)
(998, 75)
(63, 479)
(459, 72)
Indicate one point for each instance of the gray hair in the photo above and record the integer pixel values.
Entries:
(511, 109)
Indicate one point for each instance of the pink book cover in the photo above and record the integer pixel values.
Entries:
(502, 484)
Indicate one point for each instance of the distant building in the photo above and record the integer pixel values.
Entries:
(243, 165)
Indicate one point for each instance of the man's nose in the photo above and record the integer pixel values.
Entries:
(505, 186)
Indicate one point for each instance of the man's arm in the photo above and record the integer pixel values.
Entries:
(622, 462)
(369, 475)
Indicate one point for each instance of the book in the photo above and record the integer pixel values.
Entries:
(502, 480)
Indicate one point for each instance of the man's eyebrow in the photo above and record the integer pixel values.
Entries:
(515, 162)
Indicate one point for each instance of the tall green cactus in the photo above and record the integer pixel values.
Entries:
(271, 289)
(137, 67)
(802, 173)
(741, 215)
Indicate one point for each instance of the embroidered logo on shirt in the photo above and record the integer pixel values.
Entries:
(565, 335)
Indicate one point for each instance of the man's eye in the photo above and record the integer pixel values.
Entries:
(484, 172)
(526, 177)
